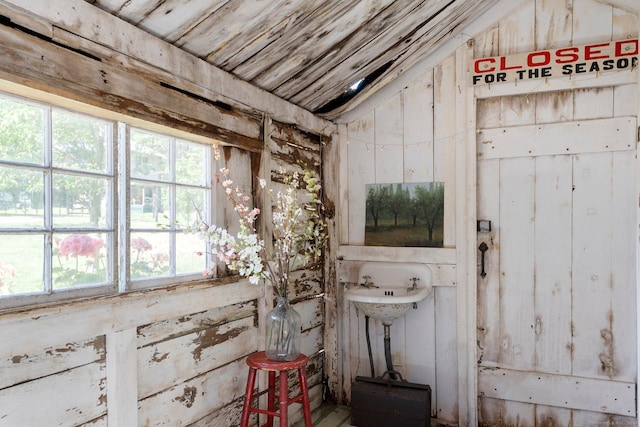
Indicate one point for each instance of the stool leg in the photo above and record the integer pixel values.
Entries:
(248, 396)
(271, 398)
(284, 399)
(304, 389)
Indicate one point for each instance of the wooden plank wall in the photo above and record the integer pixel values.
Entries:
(171, 356)
(168, 356)
(178, 353)
(410, 136)
(290, 149)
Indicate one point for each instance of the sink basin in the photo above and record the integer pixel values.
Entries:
(389, 295)
(385, 303)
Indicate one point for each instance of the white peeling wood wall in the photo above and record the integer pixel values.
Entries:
(172, 349)
(166, 357)
(410, 136)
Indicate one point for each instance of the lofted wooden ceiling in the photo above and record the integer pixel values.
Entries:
(309, 52)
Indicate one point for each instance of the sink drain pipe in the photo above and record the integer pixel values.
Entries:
(393, 374)
(366, 328)
(387, 352)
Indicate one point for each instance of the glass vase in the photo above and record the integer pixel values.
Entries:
(283, 329)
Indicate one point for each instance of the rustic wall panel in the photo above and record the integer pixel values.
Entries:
(418, 123)
(70, 397)
(409, 138)
(190, 401)
(171, 362)
(361, 158)
(226, 416)
(25, 367)
(173, 328)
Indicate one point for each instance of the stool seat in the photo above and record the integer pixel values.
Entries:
(259, 361)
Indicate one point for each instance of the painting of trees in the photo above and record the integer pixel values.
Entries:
(405, 214)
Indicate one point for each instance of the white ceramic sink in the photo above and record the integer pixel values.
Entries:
(389, 291)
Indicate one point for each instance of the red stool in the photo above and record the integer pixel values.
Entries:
(259, 361)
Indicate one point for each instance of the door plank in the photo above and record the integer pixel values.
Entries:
(592, 258)
(516, 262)
(584, 136)
(488, 205)
(624, 280)
(553, 264)
(593, 103)
(553, 107)
(590, 394)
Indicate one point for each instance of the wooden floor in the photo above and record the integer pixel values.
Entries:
(329, 415)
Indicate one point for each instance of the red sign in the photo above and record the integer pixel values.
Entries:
(562, 62)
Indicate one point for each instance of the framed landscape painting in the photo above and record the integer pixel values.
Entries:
(404, 214)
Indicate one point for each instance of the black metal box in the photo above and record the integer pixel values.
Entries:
(379, 402)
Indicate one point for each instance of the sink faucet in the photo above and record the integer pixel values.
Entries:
(414, 286)
(367, 284)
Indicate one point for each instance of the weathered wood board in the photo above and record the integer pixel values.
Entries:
(174, 361)
(70, 397)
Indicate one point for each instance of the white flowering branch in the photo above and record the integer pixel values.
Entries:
(299, 232)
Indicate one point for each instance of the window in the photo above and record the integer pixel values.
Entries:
(78, 217)
(168, 187)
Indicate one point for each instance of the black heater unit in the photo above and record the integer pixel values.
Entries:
(380, 402)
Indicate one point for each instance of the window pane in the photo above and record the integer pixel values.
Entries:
(79, 259)
(21, 132)
(190, 254)
(149, 156)
(21, 264)
(80, 142)
(189, 201)
(149, 255)
(21, 198)
(191, 163)
(80, 201)
(149, 205)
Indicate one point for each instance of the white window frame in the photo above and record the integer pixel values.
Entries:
(173, 277)
(117, 218)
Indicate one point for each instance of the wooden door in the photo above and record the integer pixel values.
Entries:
(557, 307)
